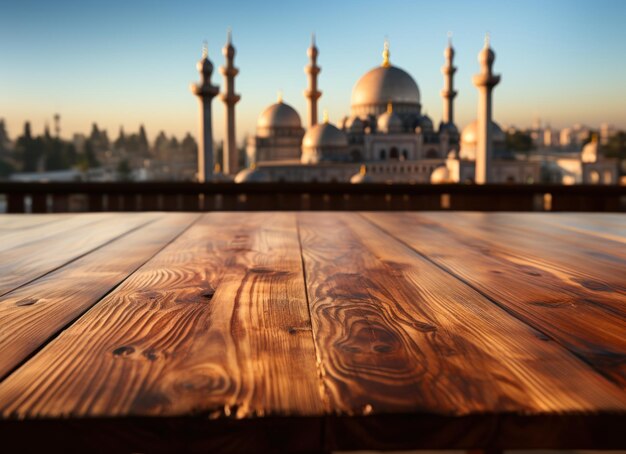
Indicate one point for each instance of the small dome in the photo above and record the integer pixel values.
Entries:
(279, 115)
(389, 122)
(440, 175)
(486, 56)
(252, 175)
(324, 135)
(591, 151)
(312, 51)
(469, 136)
(469, 139)
(354, 124)
(448, 128)
(205, 66)
(228, 51)
(449, 52)
(382, 85)
(426, 123)
(361, 177)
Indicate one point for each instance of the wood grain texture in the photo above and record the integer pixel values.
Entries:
(216, 325)
(35, 312)
(397, 334)
(13, 222)
(589, 261)
(29, 261)
(15, 234)
(209, 346)
(606, 226)
(551, 283)
(566, 284)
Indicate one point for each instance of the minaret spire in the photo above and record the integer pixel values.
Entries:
(386, 54)
(205, 93)
(448, 93)
(312, 94)
(230, 98)
(485, 81)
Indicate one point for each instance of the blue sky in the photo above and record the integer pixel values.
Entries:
(126, 63)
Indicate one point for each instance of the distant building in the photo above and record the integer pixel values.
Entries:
(387, 137)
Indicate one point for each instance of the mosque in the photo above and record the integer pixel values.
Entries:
(385, 139)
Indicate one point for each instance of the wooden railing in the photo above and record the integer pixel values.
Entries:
(76, 197)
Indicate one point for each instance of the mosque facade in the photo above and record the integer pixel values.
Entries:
(386, 138)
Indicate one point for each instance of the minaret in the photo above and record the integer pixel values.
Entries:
(230, 98)
(312, 93)
(205, 93)
(448, 94)
(57, 125)
(485, 81)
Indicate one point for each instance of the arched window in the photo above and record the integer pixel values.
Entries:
(405, 155)
(608, 177)
(383, 154)
(594, 177)
(355, 155)
(393, 154)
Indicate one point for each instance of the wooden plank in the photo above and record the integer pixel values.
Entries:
(25, 263)
(396, 334)
(552, 285)
(611, 227)
(216, 325)
(34, 313)
(28, 232)
(13, 222)
(590, 264)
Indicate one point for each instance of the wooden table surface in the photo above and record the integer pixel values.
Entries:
(254, 332)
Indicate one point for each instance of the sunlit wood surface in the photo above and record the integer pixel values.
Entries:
(312, 332)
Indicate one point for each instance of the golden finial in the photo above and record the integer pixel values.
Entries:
(487, 40)
(389, 107)
(313, 39)
(325, 120)
(280, 96)
(229, 36)
(363, 169)
(449, 39)
(205, 49)
(386, 54)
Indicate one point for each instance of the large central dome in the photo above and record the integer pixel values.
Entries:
(383, 85)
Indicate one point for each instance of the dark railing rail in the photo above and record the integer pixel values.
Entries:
(76, 197)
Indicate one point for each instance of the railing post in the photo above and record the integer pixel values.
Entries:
(40, 203)
(15, 202)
